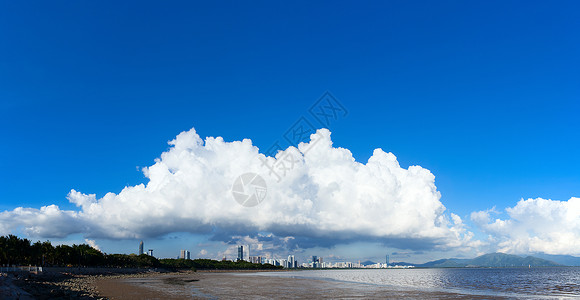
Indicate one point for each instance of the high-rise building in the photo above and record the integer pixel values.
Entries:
(315, 263)
(255, 259)
(387, 260)
(150, 252)
(291, 261)
(185, 254)
(141, 248)
(240, 253)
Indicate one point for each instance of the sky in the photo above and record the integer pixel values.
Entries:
(455, 134)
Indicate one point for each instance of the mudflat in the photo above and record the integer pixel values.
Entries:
(232, 285)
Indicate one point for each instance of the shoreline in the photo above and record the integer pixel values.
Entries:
(207, 284)
(70, 285)
(244, 285)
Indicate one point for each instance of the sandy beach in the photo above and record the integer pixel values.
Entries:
(201, 285)
(230, 285)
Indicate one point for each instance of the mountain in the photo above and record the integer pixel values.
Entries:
(401, 263)
(566, 260)
(509, 260)
(490, 260)
(445, 263)
(367, 263)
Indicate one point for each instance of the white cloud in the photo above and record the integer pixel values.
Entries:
(48, 221)
(326, 196)
(93, 244)
(535, 225)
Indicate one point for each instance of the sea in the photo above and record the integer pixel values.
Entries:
(531, 283)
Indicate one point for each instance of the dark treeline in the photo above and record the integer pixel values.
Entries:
(209, 264)
(17, 251)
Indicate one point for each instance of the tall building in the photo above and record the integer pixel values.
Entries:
(150, 252)
(240, 253)
(387, 260)
(315, 263)
(141, 248)
(291, 261)
(185, 254)
(255, 259)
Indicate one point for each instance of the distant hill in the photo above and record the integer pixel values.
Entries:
(566, 260)
(445, 263)
(490, 260)
(509, 260)
(401, 263)
(368, 263)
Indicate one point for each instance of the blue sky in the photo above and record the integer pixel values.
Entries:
(482, 94)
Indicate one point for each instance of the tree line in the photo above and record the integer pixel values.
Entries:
(210, 264)
(17, 251)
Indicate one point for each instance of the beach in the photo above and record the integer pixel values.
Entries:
(200, 285)
(244, 285)
(454, 283)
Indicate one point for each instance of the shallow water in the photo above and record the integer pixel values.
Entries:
(550, 282)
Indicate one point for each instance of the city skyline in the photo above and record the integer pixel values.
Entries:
(422, 130)
(277, 259)
(291, 262)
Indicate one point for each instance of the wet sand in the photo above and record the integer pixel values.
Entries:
(9, 290)
(214, 285)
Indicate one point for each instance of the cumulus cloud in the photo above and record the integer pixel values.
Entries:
(48, 221)
(534, 225)
(93, 244)
(326, 197)
(261, 244)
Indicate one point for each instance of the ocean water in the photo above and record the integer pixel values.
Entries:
(549, 282)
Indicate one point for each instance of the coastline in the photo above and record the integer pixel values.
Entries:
(66, 285)
(244, 285)
(207, 285)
